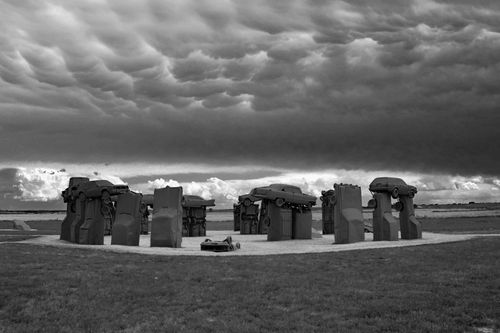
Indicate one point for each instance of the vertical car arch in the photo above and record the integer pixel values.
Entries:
(384, 224)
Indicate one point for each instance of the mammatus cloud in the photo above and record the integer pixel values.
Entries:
(370, 85)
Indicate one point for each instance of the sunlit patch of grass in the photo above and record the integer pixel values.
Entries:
(447, 287)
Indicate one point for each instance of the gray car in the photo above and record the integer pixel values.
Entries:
(395, 186)
(282, 193)
(100, 188)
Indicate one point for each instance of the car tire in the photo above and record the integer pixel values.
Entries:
(372, 203)
(279, 202)
(411, 195)
(247, 202)
(398, 206)
(395, 193)
(82, 196)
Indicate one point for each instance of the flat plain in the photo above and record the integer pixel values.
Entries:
(452, 287)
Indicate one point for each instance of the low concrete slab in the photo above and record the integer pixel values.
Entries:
(255, 245)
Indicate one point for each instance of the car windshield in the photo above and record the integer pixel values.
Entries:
(285, 188)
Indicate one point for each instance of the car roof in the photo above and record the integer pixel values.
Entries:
(100, 182)
(388, 180)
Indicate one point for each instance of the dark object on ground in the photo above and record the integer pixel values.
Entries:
(395, 186)
(219, 246)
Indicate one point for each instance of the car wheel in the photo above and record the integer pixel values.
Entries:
(372, 203)
(398, 206)
(247, 202)
(411, 194)
(395, 193)
(279, 202)
(82, 196)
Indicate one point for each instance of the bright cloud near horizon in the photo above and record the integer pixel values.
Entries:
(222, 96)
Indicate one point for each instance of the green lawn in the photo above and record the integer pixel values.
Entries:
(450, 287)
(485, 225)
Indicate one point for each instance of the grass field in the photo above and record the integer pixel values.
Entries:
(450, 287)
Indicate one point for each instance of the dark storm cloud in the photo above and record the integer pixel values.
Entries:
(360, 85)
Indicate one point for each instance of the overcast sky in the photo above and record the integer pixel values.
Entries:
(221, 96)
